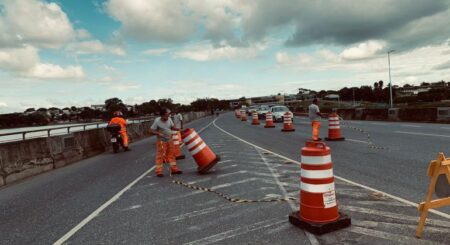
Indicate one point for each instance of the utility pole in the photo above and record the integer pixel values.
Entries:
(390, 83)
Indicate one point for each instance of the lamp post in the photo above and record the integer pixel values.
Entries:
(390, 83)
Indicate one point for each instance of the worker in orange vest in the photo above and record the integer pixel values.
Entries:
(118, 119)
(315, 115)
(162, 127)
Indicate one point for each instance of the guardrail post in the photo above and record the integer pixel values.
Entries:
(23, 135)
(84, 127)
(48, 132)
(68, 130)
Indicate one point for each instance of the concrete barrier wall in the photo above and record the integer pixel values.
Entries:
(22, 159)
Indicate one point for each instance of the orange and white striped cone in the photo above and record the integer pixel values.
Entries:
(269, 120)
(287, 122)
(334, 130)
(319, 212)
(243, 116)
(255, 119)
(176, 145)
(202, 154)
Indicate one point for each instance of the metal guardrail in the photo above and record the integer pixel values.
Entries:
(48, 130)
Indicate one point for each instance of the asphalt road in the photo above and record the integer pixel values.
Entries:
(153, 210)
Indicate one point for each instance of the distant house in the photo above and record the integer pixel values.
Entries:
(331, 97)
(99, 107)
(411, 91)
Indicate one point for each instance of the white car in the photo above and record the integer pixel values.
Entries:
(278, 112)
(262, 110)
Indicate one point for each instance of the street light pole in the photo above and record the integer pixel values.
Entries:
(390, 83)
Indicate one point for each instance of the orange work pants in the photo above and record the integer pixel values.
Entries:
(164, 153)
(315, 130)
(124, 138)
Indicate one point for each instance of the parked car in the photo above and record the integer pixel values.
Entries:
(262, 110)
(251, 109)
(278, 112)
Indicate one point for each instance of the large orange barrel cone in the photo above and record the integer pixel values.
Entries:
(318, 206)
(176, 141)
(255, 119)
(202, 154)
(269, 120)
(287, 122)
(237, 113)
(334, 130)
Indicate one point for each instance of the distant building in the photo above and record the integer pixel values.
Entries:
(411, 91)
(99, 107)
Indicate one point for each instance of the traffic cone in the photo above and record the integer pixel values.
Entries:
(176, 139)
(269, 120)
(318, 206)
(255, 119)
(334, 130)
(201, 153)
(237, 113)
(243, 116)
(287, 122)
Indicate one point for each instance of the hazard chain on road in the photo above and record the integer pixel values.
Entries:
(370, 143)
(227, 197)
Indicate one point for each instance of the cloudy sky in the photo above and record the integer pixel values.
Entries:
(67, 52)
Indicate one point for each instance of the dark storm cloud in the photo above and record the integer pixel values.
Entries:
(402, 23)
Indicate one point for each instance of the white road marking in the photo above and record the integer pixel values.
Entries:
(86, 220)
(410, 126)
(448, 128)
(310, 236)
(386, 235)
(423, 134)
(237, 232)
(377, 123)
(357, 141)
(100, 209)
(337, 177)
(202, 211)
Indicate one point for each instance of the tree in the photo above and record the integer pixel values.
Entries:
(380, 84)
(114, 104)
(29, 110)
(73, 108)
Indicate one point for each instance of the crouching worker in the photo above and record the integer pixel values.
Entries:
(162, 127)
(118, 119)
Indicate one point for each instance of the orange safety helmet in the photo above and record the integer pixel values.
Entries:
(118, 114)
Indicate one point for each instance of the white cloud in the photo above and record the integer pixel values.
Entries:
(94, 47)
(125, 87)
(25, 62)
(3, 104)
(35, 23)
(83, 34)
(300, 59)
(155, 51)
(146, 20)
(363, 50)
(51, 71)
(206, 52)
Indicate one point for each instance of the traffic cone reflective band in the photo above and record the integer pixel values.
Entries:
(287, 122)
(237, 113)
(255, 119)
(334, 130)
(201, 153)
(269, 120)
(318, 206)
(243, 116)
(176, 140)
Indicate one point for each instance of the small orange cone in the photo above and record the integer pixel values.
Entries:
(176, 140)
(269, 120)
(237, 113)
(287, 122)
(334, 130)
(243, 116)
(202, 154)
(318, 206)
(255, 119)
